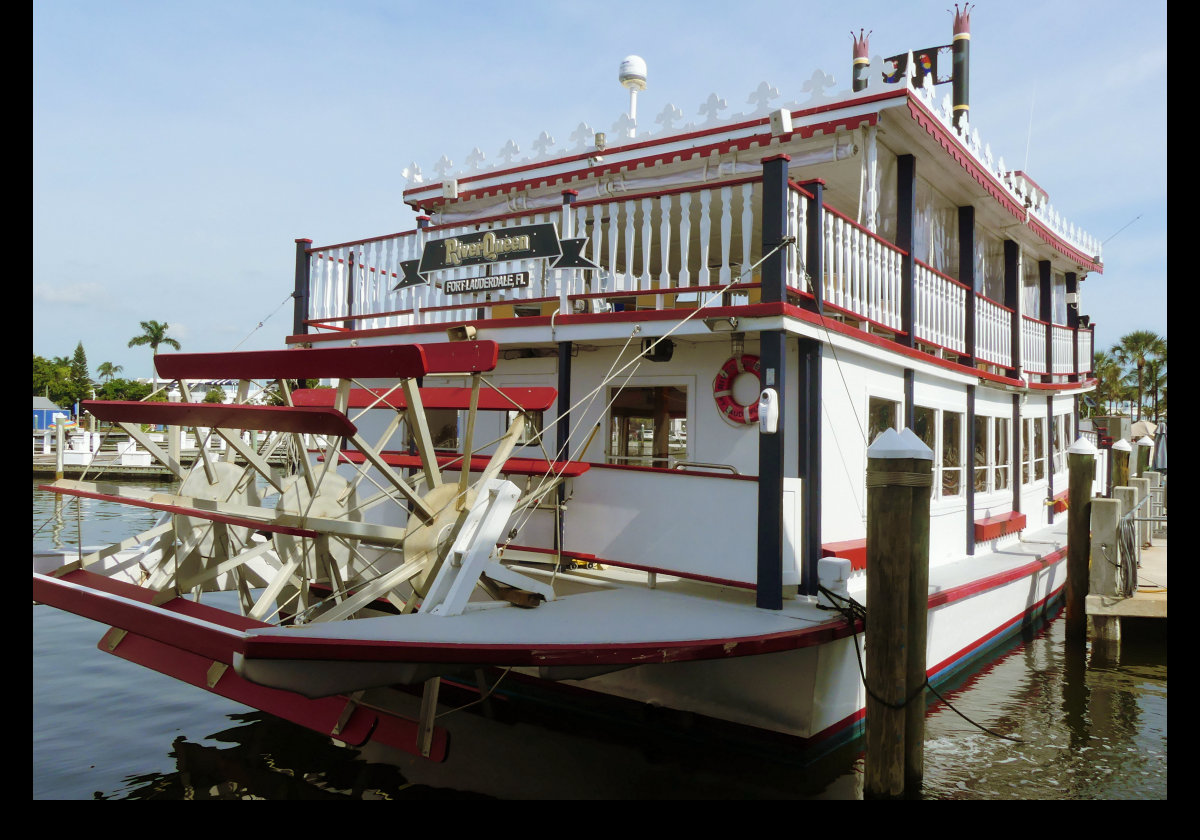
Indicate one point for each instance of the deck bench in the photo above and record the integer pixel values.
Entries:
(853, 550)
(999, 526)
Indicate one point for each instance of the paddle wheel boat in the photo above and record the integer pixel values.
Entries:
(602, 419)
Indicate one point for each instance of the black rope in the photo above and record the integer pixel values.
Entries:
(855, 612)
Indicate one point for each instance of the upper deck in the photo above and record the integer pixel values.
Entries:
(884, 197)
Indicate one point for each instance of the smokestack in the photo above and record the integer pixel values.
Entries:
(962, 54)
(862, 60)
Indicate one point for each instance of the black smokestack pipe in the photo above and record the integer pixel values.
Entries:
(862, 61)
(962, 55)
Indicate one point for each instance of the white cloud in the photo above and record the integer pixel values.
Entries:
(75, 294)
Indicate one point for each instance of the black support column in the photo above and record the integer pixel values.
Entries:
(1049, 440)
(1046, 292)
(1073, 322)
(809, 463)
(1016, 453)
(773, 374)
(906, 211)
(1012, 299)
(301, 288)
(966, 276)
(969, 469)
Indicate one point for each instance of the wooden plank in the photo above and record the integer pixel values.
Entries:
(180, 510)
(389, 361)
(506, 399)
(309, 420)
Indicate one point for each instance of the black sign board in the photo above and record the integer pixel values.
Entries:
(528, 242)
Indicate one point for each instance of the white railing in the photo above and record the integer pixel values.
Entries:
(862, 271)
(939, 308)
(651, 244)
(1062, 350)
(676, 249)
(1033, 345)
(993, 331)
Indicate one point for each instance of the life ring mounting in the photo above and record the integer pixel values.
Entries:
(730, 408)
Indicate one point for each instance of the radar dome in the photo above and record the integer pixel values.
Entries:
(633, 72)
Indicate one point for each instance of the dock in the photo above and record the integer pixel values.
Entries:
(1150, 599)
(1128, 532)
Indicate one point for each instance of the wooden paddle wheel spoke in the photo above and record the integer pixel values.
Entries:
(312, 555)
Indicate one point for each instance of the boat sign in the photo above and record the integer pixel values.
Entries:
(527, 242)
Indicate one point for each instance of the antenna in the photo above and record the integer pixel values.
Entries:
(1029, 134)
(633, 76)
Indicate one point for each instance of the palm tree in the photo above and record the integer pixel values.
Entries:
(1156, 382)
(108, 370)
(154, 334)
(1136, 349)
(1108, 373)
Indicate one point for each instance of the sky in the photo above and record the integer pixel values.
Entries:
(180, 149)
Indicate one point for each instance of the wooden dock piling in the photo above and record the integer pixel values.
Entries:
(1081, 462)
(1120, 464)
(899, 469)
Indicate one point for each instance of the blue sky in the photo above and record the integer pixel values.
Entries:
(180, 149)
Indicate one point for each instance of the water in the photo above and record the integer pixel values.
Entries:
(105, 728)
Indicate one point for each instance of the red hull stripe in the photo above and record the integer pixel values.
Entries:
(273, 418)
(508, 399)
(393, 361)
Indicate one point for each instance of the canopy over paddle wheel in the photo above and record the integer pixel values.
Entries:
(311, 549)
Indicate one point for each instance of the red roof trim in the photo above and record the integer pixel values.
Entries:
(932, 125)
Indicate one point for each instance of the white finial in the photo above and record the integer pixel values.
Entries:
(633, 76)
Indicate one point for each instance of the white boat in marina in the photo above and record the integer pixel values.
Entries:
(602, 421)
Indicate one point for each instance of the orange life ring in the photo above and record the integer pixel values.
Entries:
(731, 409)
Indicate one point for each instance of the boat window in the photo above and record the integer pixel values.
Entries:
(647, 426)
(1058, 292)
(1031, 289)
(952, 460)
(989, 263)
(1000, 452)
(881, 415)
(531, 436)
(925, 427)
(1025, 452)
(983, 426)
(935, 229)
(1059, 432)
(1039, 449)
(443, 428)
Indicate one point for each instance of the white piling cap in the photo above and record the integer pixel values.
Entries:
(1144, 440)
(903, 444)
(1122, 446)
(1081, 446)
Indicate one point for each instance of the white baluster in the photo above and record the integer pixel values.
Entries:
(726, 232)
(685, 238)
(630, 211)
(611, 244)
(664, 242)
(747, 231)
(647, 229)
(705, 228)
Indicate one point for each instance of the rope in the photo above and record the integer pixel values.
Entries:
(855, 612)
